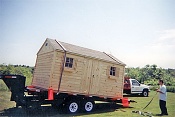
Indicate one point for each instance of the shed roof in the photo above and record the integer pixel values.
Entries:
(58, 45)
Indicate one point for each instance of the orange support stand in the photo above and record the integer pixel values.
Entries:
(50, 94)
(30, 86)
(125, 102)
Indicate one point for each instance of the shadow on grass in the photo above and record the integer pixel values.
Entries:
(133, 95)
(51, 111)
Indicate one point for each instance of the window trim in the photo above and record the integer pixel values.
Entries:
(112, 77)
(69, 62)
(112, 71)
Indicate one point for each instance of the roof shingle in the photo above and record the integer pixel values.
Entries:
(84, 51)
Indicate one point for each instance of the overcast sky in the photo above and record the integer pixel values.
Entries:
(137, 32)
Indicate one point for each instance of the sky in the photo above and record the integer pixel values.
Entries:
(137, 32)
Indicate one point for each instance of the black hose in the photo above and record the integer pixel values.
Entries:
(150, 101)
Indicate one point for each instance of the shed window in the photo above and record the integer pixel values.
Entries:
(69, 62)
(46, 44)
(112, 71)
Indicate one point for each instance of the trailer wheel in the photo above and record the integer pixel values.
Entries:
(72, 106)
(145, 93)
(88, 106)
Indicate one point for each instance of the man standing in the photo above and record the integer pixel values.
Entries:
(162, 97)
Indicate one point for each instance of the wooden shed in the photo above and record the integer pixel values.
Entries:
(72, 69)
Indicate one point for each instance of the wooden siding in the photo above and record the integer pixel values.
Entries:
(43, 70)
(57, 68)
(91, 77)
(71, 78)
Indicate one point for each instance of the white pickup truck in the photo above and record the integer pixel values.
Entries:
(132, 86)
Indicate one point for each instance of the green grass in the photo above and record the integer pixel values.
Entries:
(141, 103)
(154, 106)
(5, 102)
(3, 86)
(106, 109)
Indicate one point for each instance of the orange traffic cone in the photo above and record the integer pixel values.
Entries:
(50, 94)
(125, 102)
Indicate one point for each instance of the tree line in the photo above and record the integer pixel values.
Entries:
(151, 73)
(24, 70)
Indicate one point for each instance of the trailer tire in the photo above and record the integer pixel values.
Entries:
(145, 93)
(87, 105)
(72, 106)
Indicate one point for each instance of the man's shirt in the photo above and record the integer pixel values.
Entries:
(163, 95)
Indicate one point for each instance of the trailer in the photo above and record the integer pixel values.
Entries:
(69, 76)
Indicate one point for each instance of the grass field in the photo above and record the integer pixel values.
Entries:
(102, 109)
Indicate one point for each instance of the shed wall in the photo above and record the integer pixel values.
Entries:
(43, 68)
(56, 71)
(71, 78)
(91, 77)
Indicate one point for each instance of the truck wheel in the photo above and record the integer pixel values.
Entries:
(145, 93)
(72, 106)
(88, 106)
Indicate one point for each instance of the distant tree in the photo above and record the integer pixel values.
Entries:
(18, 69)
(151, 73)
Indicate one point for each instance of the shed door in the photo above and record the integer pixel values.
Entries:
(90, 81)
(92, 76)
(95, 76)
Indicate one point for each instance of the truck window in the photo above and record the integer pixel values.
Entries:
(69, 62)
(112, 71)
(135, 83)
(126, 81)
